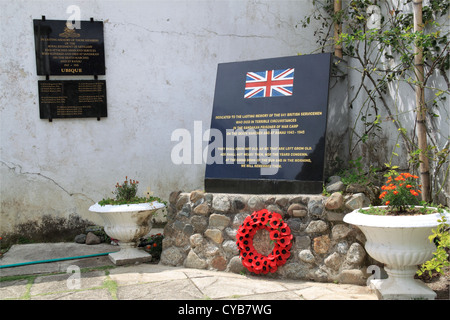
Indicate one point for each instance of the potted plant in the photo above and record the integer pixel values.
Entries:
(127, 219)
(398, 235)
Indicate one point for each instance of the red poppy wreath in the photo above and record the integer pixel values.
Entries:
(280, 234)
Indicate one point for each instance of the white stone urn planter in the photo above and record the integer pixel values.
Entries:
(401, 243)
(127, 223)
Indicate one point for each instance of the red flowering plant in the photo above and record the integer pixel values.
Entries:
(400, 194)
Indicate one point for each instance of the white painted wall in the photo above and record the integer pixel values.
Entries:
(161, 60)
(400, 97)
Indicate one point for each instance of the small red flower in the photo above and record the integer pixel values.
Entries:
(275, 235)
(383, 194)
(285, 230)
(274, 222)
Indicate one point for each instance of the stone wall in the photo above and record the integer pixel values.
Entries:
(201, 233)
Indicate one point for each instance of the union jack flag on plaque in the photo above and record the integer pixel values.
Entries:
(270, 83)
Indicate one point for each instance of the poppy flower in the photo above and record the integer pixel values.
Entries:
(271, 265)
(285, 230)
(275, 221)
(259, 220)
(284, 241)
(275, 235)
(247, 263)
(257, 264)
(285, 254)
(263, 212)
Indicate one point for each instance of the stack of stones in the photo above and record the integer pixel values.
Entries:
(201, 233)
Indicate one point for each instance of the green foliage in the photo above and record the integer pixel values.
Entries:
(440, 260)
(99, 231)
(357, 174)
(409, 210)
(126, 194)
(384, 57)
(153, 245)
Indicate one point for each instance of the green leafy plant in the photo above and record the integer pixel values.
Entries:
(126, 193)
(153, 245)
(356, 173)
(99, 231)
(440, 258)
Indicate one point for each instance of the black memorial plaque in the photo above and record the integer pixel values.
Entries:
(61, 50)
(288, 94)
(72, 99)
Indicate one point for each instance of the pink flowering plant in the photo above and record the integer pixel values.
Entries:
(126, 193)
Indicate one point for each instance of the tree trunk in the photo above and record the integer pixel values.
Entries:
(421, 113)
(337, 29)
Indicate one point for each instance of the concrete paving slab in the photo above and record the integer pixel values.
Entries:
(53, 267)
(65, 282)
(321, 291)
(199, 273)
(163, 290)
(13, 289)
(315, 293)
(222, 287)
(36, 252)
(19, 253)
(100, 294)
(145, 273)
(279, 296)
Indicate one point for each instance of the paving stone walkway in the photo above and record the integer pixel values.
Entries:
(158, 282)
(97, 278)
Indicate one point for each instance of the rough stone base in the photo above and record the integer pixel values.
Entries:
(201, 233)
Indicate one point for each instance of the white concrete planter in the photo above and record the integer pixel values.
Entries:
(401, 243)
(127, 223)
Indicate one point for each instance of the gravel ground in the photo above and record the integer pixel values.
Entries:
(439, 283)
